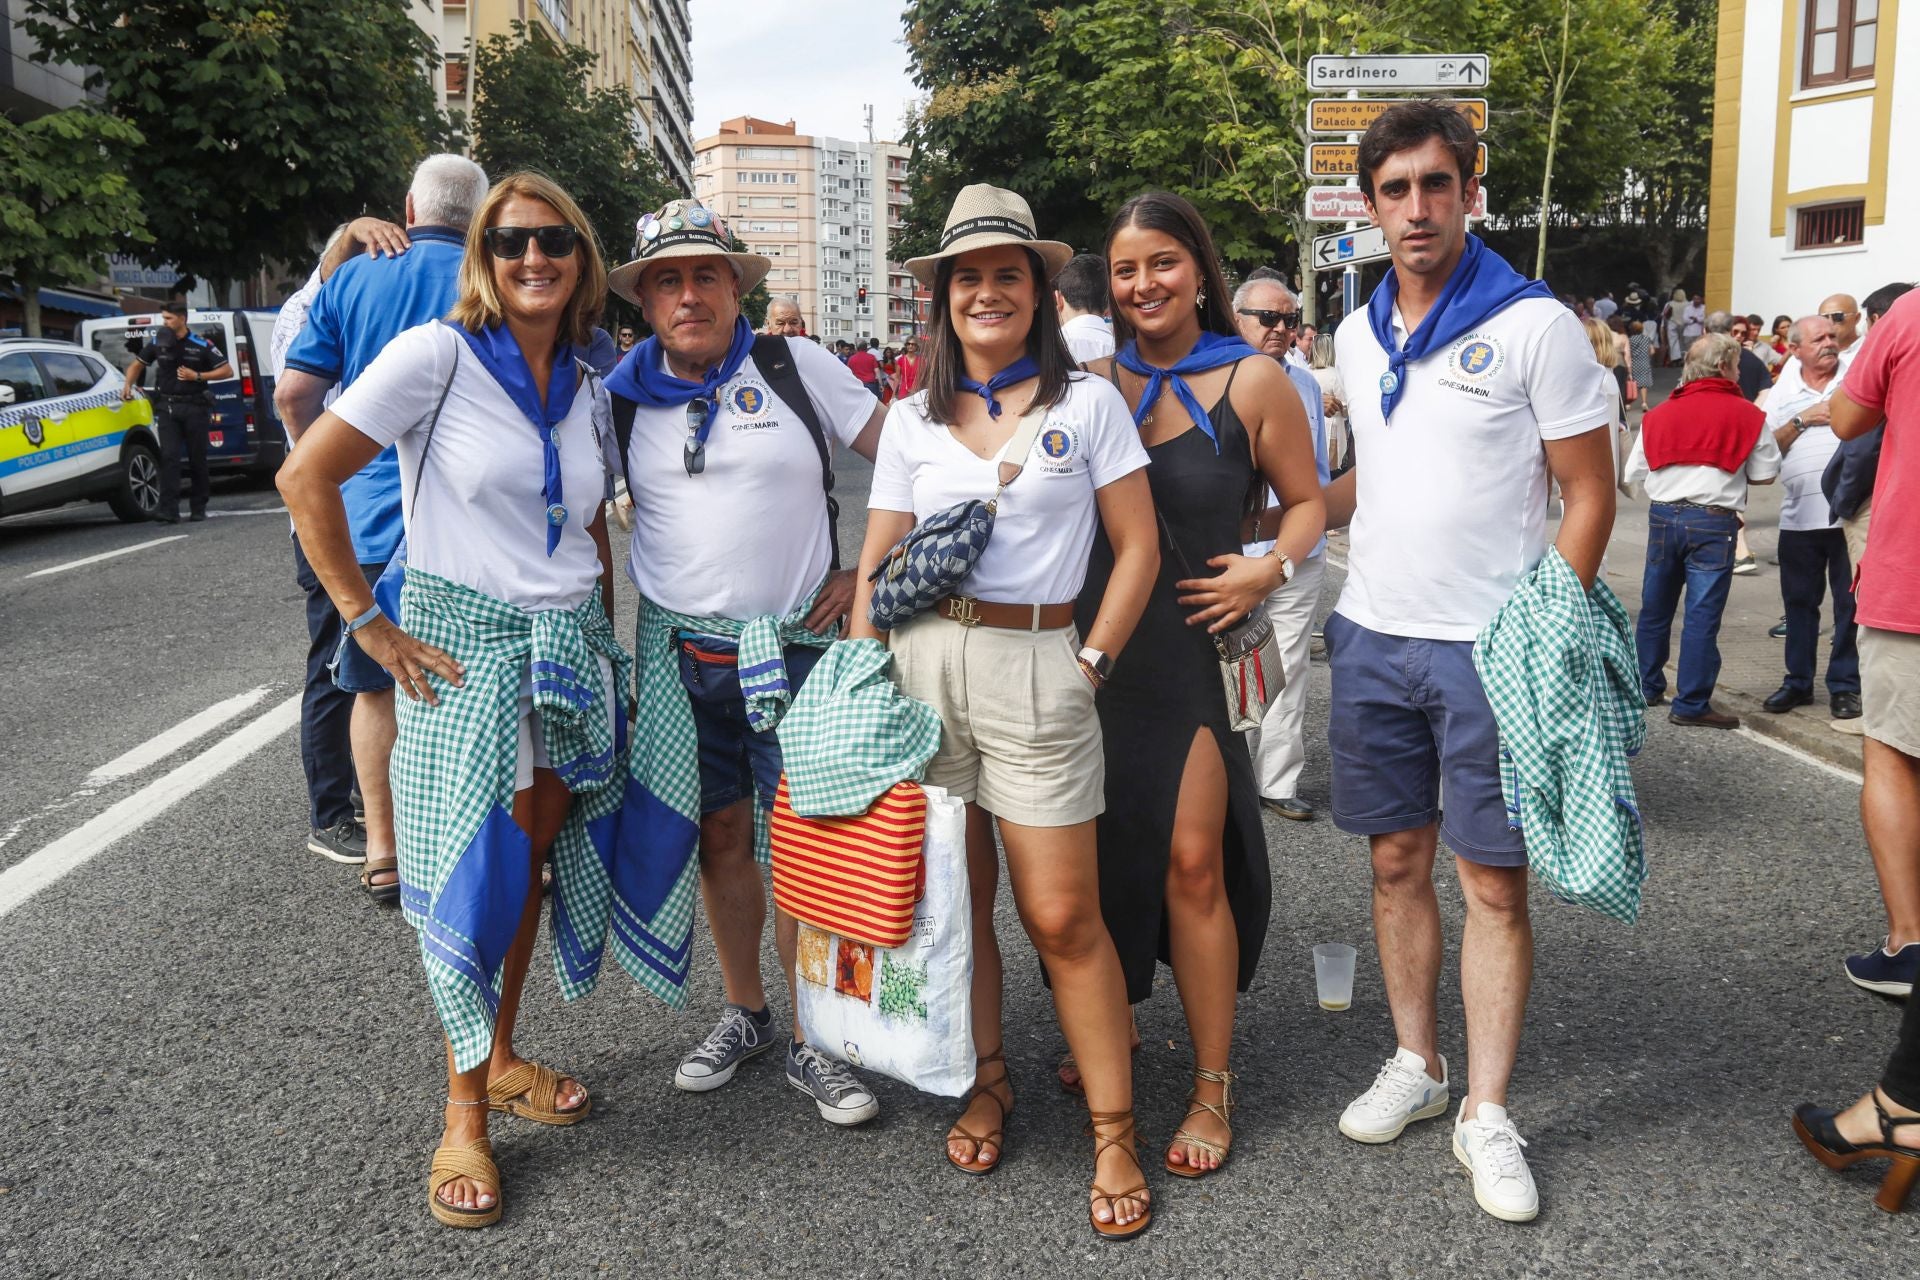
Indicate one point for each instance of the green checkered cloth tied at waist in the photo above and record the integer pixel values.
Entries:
(1559, 667)
(465, 866)
(662, 819)
(851, 734)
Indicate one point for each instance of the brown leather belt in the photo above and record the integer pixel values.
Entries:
(969, 612)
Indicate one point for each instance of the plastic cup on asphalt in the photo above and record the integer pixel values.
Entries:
(1333, 974)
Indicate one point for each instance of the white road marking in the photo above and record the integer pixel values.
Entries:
(1846, 775)
(165, 744)
(105, 555)
(250, 511)
(84, 843)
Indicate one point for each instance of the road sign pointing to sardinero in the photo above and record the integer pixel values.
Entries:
(1397, 71)
(1346, 248)
(1353, 115)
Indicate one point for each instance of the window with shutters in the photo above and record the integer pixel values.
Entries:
(1839, 43)
(1830, 226)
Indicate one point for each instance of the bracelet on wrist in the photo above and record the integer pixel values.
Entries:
(372, 614)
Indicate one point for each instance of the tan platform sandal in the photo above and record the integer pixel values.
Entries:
(1224, 1110)
(995, 1137)
(527, 1090)
(1117, 1230)
(473, 1161)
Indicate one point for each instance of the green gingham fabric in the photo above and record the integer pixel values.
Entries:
(851, 733)
(453, 775)
(1559, 667)
(664, 766)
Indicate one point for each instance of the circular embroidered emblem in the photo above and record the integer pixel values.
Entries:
(749, 399)
(1056, 443)
(1389, 382)
(36, 432)
(556, 515)
(1477, 357)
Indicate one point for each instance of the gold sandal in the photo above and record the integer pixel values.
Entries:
(475, 1162)
(1117, 1230)
(996, 1137)
(1223, 1109)
(528, 1089)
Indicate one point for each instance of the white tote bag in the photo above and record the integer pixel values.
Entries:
(905, 1012)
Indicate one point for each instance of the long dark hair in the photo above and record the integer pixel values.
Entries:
(943, 363)
(1172, 215)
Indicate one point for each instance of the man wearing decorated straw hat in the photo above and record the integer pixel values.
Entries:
(727, 442)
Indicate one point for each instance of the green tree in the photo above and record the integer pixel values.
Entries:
(534, 110)
(265, 124)
(67, 204)
(1665, 195)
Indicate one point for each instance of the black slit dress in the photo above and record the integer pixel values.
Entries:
(1164, 688)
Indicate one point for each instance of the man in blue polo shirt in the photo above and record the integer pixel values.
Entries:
(362, 307)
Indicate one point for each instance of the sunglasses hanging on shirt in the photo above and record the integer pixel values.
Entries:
(557, 241)
(700, 415)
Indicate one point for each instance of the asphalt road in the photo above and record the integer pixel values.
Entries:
(217, 1059)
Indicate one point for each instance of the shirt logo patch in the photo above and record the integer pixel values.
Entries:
(1477, 357)
(1056, 443)
(749, 399)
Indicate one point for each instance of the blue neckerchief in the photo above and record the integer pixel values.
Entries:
(502, 358)
(1212, 351)
(1482, 285)
(1019, 371)
(643, 378)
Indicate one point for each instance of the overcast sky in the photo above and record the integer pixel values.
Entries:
(813, 63)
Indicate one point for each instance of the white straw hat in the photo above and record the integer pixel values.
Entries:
(683, 229)
(983, 216)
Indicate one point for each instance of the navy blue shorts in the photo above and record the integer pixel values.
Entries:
(1410, 724)
(735, 762)
(353, 671)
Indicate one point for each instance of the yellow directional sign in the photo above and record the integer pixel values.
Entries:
(1342, 159)
(1353, 115)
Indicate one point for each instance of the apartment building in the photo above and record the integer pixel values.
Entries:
(827, 211)
(642, 44)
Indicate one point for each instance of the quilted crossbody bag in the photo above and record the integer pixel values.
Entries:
(935, 557)
(1250, 670)
(858, 877)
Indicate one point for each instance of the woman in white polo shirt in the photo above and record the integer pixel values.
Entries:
(510, 737)
(1002, 663)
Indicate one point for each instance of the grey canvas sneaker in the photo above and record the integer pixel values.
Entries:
(835, 1090)
(345, 841)
(741, 1034)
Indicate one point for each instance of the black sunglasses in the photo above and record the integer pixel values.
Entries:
(557, 241)
(699, 413)
(1274, 319)
(1837, 317)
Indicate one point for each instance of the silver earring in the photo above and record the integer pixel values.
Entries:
(1200, 299)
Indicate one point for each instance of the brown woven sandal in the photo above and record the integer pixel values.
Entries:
(1224, 1110)
(995, 1137)
(527, 1090)
(1101, 1141)
(474, 1161)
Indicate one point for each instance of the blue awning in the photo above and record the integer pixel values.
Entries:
(75, 304)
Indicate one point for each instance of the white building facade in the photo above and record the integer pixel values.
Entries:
(1816, 153)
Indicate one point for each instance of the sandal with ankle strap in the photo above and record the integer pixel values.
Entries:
(1816, 1129)
(1224, 1110)
(1101, 1141)
(528, 1089)
(995, 1137)
(474, 1162)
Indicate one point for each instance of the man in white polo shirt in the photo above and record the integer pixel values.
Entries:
(728, 439)
(1471, 389)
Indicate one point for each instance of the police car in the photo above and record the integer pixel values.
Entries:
(244, 432)
(65, 434)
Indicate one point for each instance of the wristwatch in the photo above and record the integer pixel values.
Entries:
(1797, 422)
(1097, 664)
(1286, 565)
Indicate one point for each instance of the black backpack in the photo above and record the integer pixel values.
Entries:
(775, 361)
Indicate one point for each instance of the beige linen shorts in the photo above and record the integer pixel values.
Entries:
(1019, 735)
(1890, 688)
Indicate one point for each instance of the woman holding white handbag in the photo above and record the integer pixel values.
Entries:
(1183, 856)
(998, 657)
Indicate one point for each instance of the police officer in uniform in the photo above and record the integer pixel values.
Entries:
(184, 362)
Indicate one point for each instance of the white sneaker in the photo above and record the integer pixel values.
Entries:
(1490, 1148)
(1402, 1093)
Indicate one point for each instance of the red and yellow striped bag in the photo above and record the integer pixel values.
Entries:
(858, 877)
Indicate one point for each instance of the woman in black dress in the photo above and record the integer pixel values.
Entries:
(1183, 857)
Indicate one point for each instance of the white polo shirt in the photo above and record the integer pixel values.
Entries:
(748, 535)
(1452, 497)
(1803, 505)
(1088, 338)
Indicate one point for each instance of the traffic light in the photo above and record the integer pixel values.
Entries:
(863, 293)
